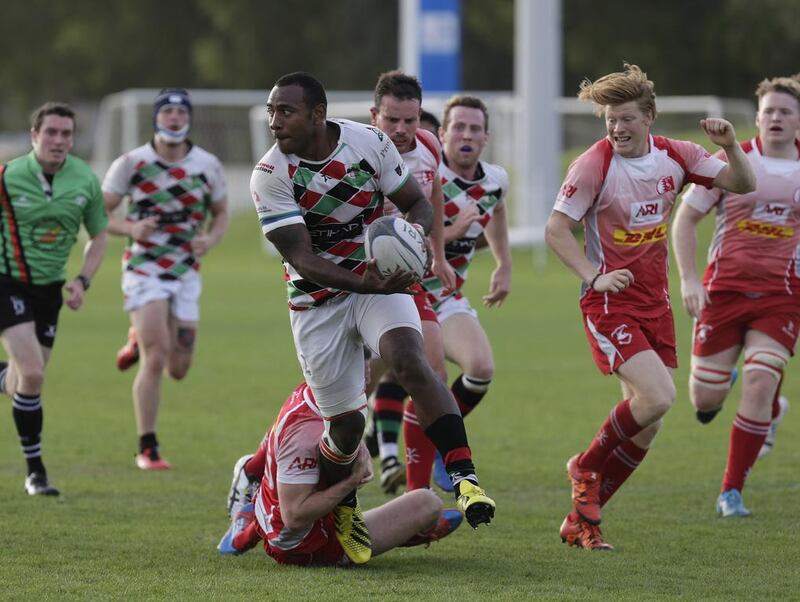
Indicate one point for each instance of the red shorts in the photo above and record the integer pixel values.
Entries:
(424, 307)
(729, 316)
(616, 338)
(319, 548)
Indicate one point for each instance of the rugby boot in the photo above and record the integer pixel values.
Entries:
(730, 504)
(36, 483)
(351, 531)
(149, 459)
(585, 491)
(769, 442)
(577, 532)
(128, 355)
(474, 503)
(393, 474)
(242, 488)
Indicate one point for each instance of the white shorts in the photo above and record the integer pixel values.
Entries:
(183, 294)
(452, 306)
(330, 340)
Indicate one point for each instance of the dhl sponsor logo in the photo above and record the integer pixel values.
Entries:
(641, 237)
(766, 230)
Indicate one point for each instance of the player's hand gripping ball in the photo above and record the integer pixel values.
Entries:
(395, 244)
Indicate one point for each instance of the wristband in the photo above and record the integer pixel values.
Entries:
(596, 276)
(85, 282)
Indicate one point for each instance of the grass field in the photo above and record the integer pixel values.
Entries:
(120, 533)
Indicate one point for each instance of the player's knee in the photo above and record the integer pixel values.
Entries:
(178, 370)
(411, 368)
(154, 358)
(483, 369)
(759, 386)
(30, 377)
(765, 361)
(345, 431)
(660, 399)
(709, 383)
(427, 504)
(705, 400)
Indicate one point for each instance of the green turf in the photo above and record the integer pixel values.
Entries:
(120, 533)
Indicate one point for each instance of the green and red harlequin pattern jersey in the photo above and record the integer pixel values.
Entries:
(178, 194)
(487, 190)
(335, 199)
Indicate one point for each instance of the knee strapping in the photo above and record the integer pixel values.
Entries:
(766, 359)
(328, 446)
(710, 375)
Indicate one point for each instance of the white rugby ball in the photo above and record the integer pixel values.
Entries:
(395, 244)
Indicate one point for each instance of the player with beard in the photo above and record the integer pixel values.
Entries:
(397, 113)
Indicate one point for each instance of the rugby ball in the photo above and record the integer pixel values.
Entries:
(395, 244)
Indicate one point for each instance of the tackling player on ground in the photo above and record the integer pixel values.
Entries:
(474, 193)
(623, 189)
(315, 191)
(171, 185)
(45, 196)
(277, 497)
(748, 300)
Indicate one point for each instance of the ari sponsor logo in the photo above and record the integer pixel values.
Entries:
(774, 213)
(757, 228)
(641, 237)
(303, 463)
(646, 213)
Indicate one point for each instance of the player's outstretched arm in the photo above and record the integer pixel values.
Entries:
(293, 242)
(497, 237)
(558, 235)
(302, 504)
(738, 175)
(684, 243)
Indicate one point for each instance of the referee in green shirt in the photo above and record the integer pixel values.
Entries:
(45, 196)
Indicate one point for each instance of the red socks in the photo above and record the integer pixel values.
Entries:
(420, 452)
(618, 467)
(747, 437)
(618, 427)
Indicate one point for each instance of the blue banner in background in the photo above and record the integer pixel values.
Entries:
(440, 45)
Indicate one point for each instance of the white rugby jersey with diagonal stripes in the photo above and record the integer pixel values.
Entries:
(487, 190)
(178, 194)
(335, 198)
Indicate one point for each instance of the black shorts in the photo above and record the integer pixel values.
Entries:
(38, 303)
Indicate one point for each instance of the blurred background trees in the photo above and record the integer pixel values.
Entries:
(81, 50)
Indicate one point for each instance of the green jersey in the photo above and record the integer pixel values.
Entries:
(40, 220)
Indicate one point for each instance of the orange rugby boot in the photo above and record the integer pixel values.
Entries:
(585, 491)
(128, 355)
(577, 532)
